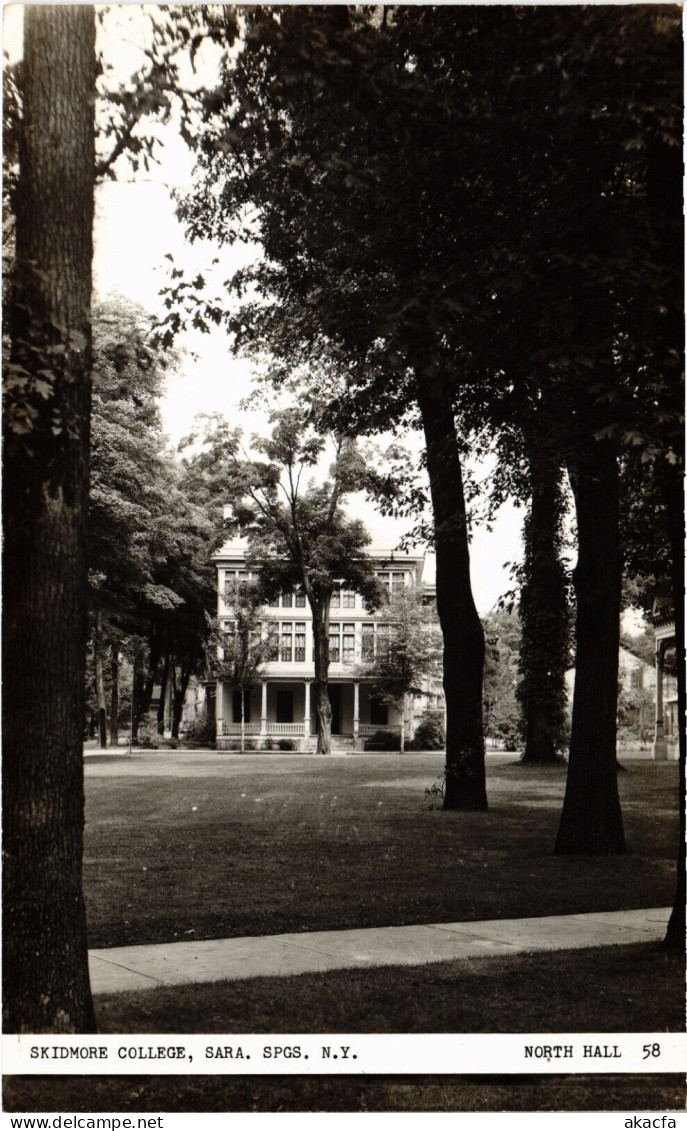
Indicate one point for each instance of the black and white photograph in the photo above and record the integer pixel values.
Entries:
(343, 670)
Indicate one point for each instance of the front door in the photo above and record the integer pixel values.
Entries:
(335, 702)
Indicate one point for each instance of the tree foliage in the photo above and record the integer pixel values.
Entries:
(299, 535)
(411, 655)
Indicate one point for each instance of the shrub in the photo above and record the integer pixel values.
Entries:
(147, 738)
(286, 744)
(429, 732)
(201, 732)
(383, 740)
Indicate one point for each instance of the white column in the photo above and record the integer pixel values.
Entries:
(356, 714)
(263, 708)
(660, 748)
(306, 710)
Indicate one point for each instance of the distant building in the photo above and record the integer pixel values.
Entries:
(666, 732)
(282, 707)
(638, 697)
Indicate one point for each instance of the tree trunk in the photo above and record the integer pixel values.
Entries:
(45, 961)
(146, 683)
(114, 694)
(460, 624)
(543, 608)
(591, 820)
(100, 683)
(137, 689)
(163, 695)
(243, 721)
(674, 496)
(323, 708)
(403, 724)
(665, 199)
(178, 699)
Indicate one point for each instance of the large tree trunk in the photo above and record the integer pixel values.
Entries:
(147, 677)
(591, 820)
(100, 682)
(178, 696)
(323, 708)
(543, 609)
(665, 200)
(673, 493)
(461, 627)
(114, 694)
(45, 961)
(163, 696)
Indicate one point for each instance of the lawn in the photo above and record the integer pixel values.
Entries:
(211, 845)
(628, 988)
(208, 845)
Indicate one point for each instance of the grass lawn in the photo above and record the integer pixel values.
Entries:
(627, 988)
(208, 845)
(211, 845)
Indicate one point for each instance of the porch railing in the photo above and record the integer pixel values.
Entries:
(253, 729)
(387, 728)
(235, 728)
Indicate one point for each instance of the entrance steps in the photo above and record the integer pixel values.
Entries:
(340, 744)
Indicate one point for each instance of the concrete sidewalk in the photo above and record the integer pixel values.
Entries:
(144, 967)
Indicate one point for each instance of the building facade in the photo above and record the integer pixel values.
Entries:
(280, 711)
(666, 732)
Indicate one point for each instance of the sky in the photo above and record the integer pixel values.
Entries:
(135, 228)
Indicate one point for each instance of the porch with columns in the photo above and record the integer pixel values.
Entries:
(346, 705)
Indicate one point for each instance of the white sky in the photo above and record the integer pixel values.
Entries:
(135, 228)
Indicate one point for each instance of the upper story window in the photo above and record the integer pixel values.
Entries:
(289, 600)
(229, 636)
(393, 580)
(341, 643)
(376, 638)
(342, 598)
(233, 580)
(292, 642)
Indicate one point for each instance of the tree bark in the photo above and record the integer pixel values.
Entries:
(674, 496)
(591, 820)
(114, 694)
(543, 609)
(146, 684)
(45, 960)
(461, 627)
(163, 695)
(178, 696)
(323, 708)
(100, 683)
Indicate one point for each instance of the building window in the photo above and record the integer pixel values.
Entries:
(237, 706)
(335, 600)
(286, 600)
(368, 642)
(299, 644)
(292, 642)
(341, 643)
(300, 599)
(636, 679)
(379, 713)
(383, 643)
(348, 643)
(284, 706)
(393, 581)
(233, 580)
(376, 640)
(348, 599)
(286, 645)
